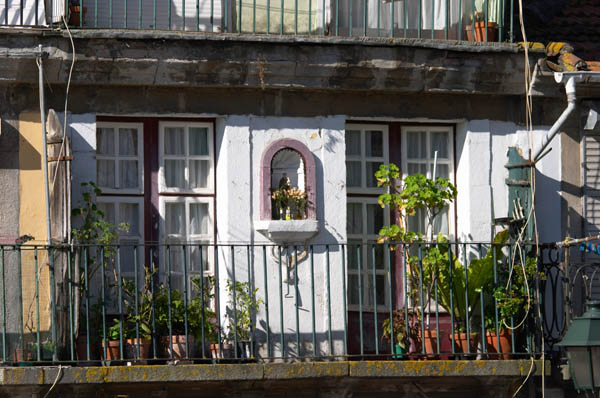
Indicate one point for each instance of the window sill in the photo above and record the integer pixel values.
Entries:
(287, 231)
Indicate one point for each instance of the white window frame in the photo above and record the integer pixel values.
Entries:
(366, 271)
(206, 239)
(364, 159)
(116, 158)
(428, 129)
(162, 184)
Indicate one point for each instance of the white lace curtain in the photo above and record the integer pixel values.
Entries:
(109, 153)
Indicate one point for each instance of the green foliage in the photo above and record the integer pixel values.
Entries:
(408, 195)
(198, 309)
(513, 300)
(399, 325)
(145, 298)
(246, 305)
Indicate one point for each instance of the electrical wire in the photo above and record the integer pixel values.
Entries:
(58, 374)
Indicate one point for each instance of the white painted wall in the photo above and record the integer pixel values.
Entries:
(481, 147)
(241, 141)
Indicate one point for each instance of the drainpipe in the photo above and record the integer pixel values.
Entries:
(570, 79)
(44, 143)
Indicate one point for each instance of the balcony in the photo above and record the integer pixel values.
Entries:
(203, 303)
(437, 19)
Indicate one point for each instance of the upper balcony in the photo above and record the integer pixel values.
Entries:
(467, 20)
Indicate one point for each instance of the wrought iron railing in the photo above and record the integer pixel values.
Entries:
(473, 20)
(248, 302)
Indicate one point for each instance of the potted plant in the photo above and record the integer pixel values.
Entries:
(477, 28)
(514, 302)
(405, 339)
(243, 306)
(298, 202)
(200, 318)
(406, 196)
(111, 347)
(75, 17)
(138, 319)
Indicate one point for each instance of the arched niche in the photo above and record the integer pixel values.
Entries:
(286, 152)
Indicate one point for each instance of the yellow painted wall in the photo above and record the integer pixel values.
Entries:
(32, 221)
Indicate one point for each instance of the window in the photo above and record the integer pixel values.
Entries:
(118, 210)
(366, 150)
(186, 157)
(420, 145)
(119, 157)
(187, 220)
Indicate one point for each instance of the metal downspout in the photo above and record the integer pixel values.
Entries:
(44, 143)
(571, 99)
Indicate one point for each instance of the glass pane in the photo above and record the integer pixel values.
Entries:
(416, 223)
(376, 250)
(353, 253)
(374, 218)
(198, 218)
(128, 174)
(105, 141)
(198, 141)
(177, 282)
(353, 289)
(372, 167)
(423, 169)
(413, 168)
(176, 257)
(440, 222)
(439, 142)
(105, 173)
(353, 174)
(579, 360)
(130, 213)
(174, 141)
(198, 253)
(174, 173)
(128, 142)
(127, 257)
(198, 173)
(381, 289)
(374, 143)
(441, 171)
(174, 218)
(352, 142)
(109, 211)
(416, 145)
(354, 218)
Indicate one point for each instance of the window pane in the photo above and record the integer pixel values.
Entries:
(198, 140)
(353, 174)
(352, 142)
(374, 218)
(105, 141)
(372, 167)
(127, 257)
(417, 222)
(109, 211)
(198, 218)
(441, 171)
(198, 173)
(439, 142)
(130, 213)
(413, 168)
(128, 142)
(353, 289)
(174, 216)
(128, 174)
(198, 253)
(374, 143)
(353, 251)
(354, 217)
(440, 222)
(174, 141)
(105, 173)
(174, 173)
(375, 250)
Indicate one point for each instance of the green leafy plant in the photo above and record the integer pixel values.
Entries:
(200, 316)
(246, 305)
(400, 331)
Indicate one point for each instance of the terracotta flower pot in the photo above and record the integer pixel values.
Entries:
(216, 353)
(429, 341)
(178, 342)
(505, 337)
(113, 350)
(75, 15)
(21, 356)
(462, 345)
(131, 348)
(479, 30)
